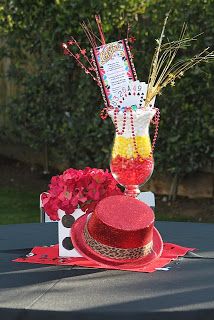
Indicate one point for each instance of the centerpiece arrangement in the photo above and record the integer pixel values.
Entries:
(129, 102)
(115, 230)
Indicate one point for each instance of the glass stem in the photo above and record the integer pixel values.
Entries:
(132, 191)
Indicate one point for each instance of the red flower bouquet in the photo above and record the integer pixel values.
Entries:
(78, 188)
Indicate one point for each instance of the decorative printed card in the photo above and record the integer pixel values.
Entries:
(114, 67)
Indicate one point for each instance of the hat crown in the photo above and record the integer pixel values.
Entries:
(122, 222)
(124, 213)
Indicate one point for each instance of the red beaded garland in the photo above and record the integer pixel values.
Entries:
(103, 113)
(116, 110)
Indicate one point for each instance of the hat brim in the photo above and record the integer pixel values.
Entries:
(86, 251)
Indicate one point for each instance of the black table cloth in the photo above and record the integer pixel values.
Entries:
(61, 292)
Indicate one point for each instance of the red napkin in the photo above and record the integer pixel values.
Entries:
(50, 255)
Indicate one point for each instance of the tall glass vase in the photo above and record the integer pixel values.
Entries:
(132, 160)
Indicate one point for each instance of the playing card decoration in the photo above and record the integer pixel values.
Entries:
(131, 95)
(114, 67)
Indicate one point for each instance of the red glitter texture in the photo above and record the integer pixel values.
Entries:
(122, 222)
(134, 171)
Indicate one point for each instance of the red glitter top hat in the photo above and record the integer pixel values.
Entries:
(119, 231)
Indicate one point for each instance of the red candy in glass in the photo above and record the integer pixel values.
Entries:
(132, 171)
(132, 160)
